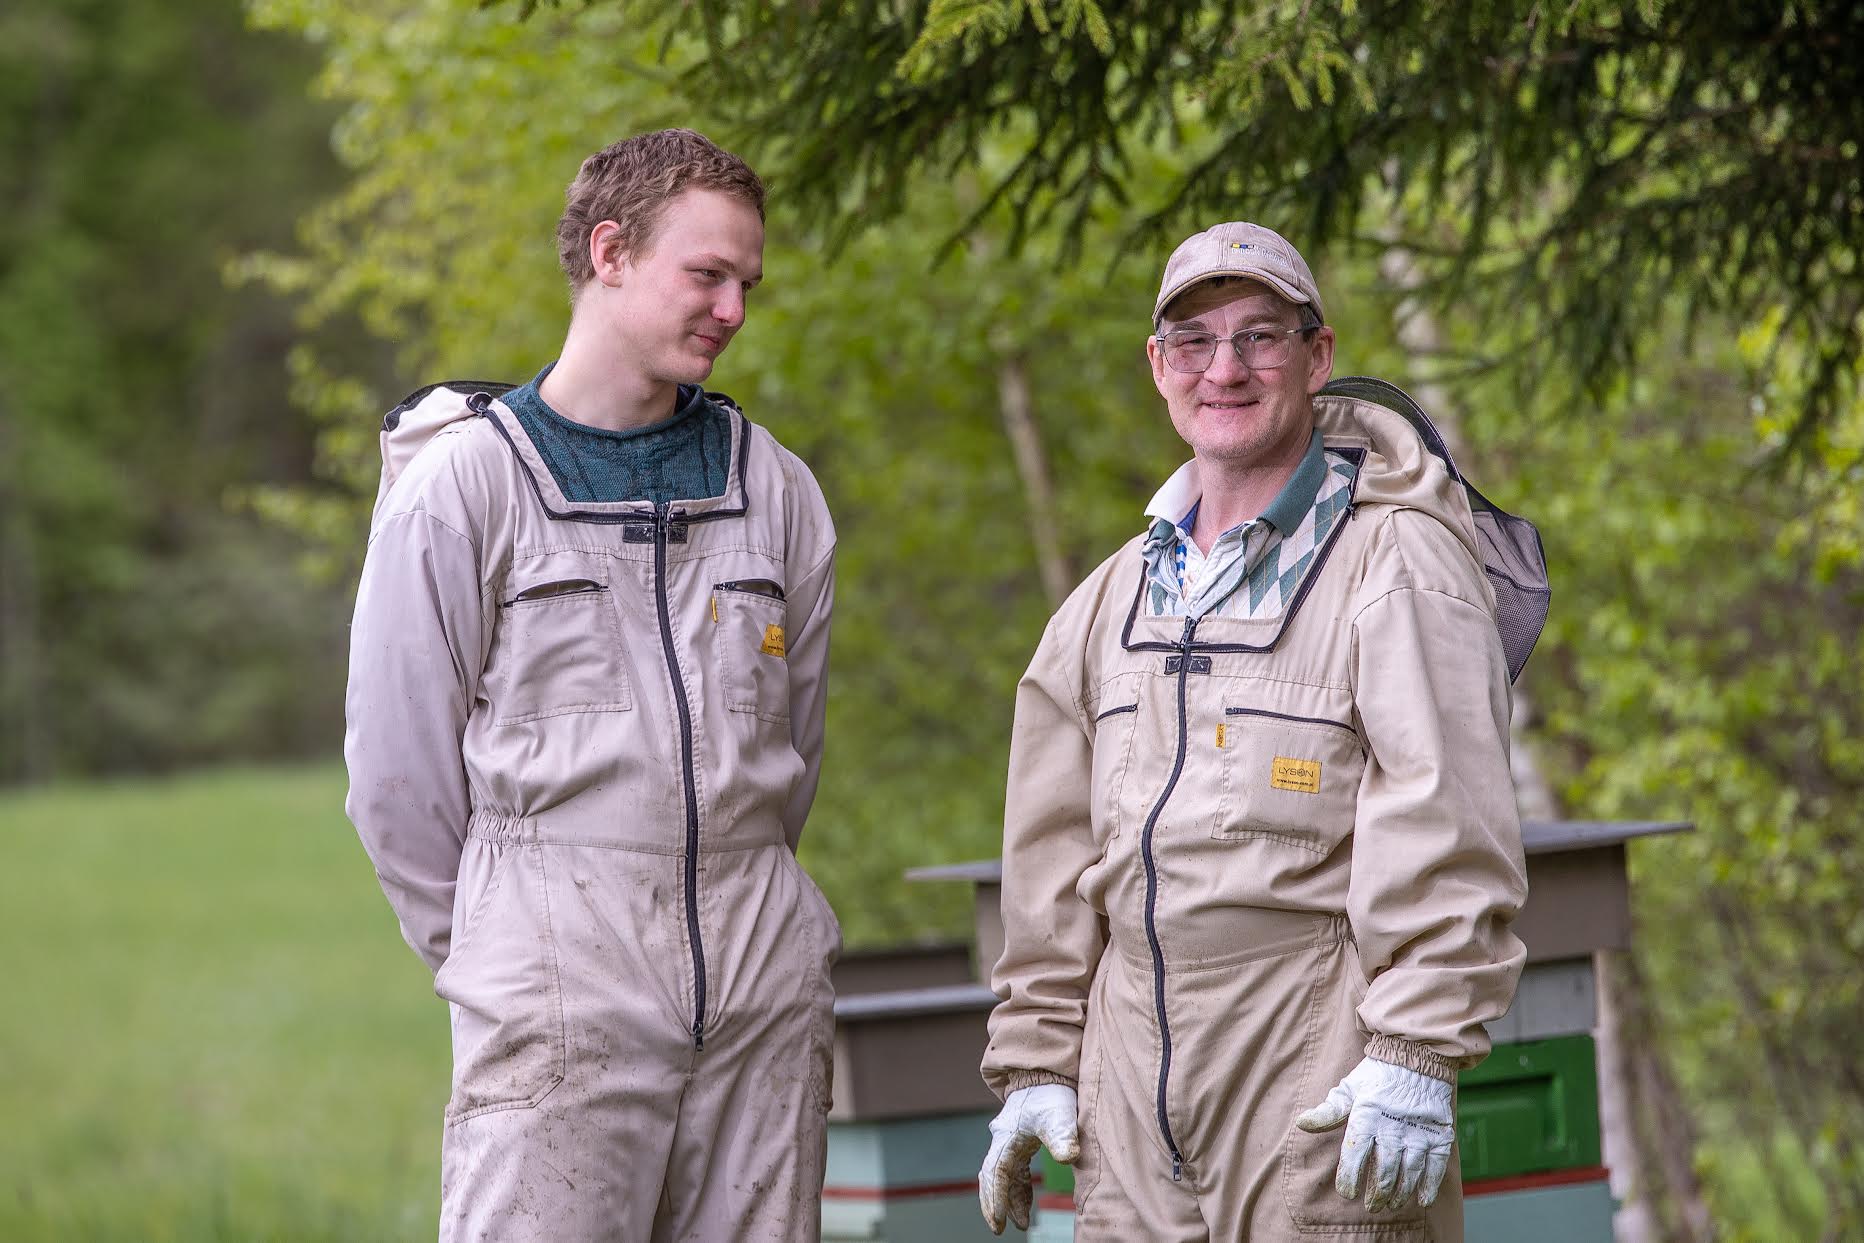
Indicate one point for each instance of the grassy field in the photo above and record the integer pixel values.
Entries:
(211, 1030)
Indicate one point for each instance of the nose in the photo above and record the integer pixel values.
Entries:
(1226, 367)
(728, 307)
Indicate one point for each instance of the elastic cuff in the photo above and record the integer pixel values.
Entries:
(1413, 1056)
(1017, 1080)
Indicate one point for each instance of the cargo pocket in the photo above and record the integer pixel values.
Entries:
(1114, 726)
(556, 644)
(501, 979)
(1333, 1046)
(1289, 779)
(749, 637)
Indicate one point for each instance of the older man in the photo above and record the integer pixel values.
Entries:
(1260, 850)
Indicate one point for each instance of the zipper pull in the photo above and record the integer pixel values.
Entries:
(1177, 1168)
(698, 1035)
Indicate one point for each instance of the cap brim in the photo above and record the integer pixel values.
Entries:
(1274, 282)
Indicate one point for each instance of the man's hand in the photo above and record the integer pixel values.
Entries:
(1406, 1119)
(1030, 1118)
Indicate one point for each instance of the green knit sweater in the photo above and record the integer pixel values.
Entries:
(685, 457)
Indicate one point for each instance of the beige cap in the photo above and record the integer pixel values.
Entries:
(1238, 248)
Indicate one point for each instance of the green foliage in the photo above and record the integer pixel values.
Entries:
(141, 626)
(1701, 664)
(1573, 170)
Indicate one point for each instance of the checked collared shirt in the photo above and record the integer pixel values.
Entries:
(1254, 568)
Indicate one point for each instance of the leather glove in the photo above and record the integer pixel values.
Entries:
(1031, 1117)
(1404, 1119)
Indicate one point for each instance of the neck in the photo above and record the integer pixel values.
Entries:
(598, 385)
(1233, 493)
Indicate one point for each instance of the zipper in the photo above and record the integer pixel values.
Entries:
(555, 591)
(1132, 707)
(663, 528)
(764, 587)
(1184, 664)
(1287, 716)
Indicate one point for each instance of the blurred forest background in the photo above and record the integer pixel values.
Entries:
(1614, 244)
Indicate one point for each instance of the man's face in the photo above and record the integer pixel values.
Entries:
(675, 305)
(1232, 414)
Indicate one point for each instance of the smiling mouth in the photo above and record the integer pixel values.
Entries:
(714, 342)
(1231, 405)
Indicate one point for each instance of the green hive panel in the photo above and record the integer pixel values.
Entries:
(1529, 1108)
(1057, 1179)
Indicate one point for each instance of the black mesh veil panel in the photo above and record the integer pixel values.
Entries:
(1512, 555)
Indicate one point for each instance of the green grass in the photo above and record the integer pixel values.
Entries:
(210, 1029)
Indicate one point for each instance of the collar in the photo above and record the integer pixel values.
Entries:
(686, 402)
(1176, 503)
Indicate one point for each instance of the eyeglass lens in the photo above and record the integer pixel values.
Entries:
(1257, 349)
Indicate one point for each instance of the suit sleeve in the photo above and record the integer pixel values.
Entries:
(415, 658)
(811, 602)
(1437, 868)
(1052, 940)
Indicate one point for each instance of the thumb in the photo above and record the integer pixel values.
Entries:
(1063, 1139)
(1330, 1112)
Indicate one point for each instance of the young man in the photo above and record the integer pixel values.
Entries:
(1261, 837)
(585, 726)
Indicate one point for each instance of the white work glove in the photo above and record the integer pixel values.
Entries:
(1030, 1118)
(1404, 1118)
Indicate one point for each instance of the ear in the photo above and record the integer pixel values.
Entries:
(1156, 356)
(606, 256)
(1320, 360)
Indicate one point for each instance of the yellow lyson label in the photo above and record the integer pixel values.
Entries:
(773, 641)
(1220, 730)
(1301, 776)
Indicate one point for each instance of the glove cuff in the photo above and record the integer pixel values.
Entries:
(1016, 1080)
(1412, 1056)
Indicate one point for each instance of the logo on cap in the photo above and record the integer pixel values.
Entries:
(1239, 245)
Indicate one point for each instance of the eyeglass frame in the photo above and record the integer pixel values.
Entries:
(1215, 341)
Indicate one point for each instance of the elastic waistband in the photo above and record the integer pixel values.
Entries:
(491, 826)
(1247, 933)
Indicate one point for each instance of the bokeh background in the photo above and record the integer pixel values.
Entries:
(1613, 246)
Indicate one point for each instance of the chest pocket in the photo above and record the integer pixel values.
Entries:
(1291, 779)
(556, 643)
(1114, 726)
(750, 636)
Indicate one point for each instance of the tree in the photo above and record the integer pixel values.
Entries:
(142, 624)
(1700, 664)
(1573, 171)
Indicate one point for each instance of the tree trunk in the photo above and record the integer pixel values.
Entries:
(22, 738)
(1032, 469)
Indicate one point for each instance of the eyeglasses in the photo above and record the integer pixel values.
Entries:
(1259, 349)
